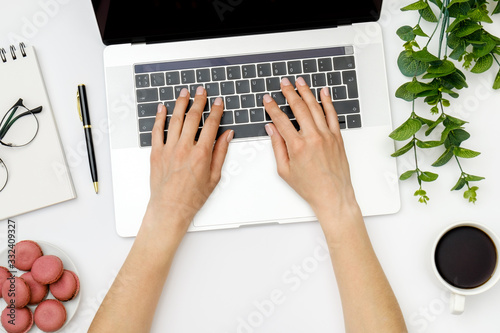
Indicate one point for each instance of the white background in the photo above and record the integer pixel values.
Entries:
(220, 279)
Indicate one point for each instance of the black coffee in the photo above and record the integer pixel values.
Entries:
(465, 257)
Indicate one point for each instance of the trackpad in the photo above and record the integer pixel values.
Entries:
(250, 190)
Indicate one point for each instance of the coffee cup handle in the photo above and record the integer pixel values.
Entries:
(457, 304)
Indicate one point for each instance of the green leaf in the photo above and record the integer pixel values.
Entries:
(406, 33)
(466, 28)
(460, 183)
(458, 51)
(479, 15)
(403, 93)
(425, 121)
(417, 30)
(485, 47)
(406, 130)
(444, 158)
(465, 153)
(403, 150)
(415, 6)
(459, 9)
(445, 67)
(455, 23)
(407, 174)
(453, 120)
(424, 56)
(409, 66)
(496, 83)
(437, 3)
(416, 87)
(456, 137)
(456, 1)
(472, 178)
(428, 144)
(497, 9)
(422, 194)
(483, 64)
(428, 15)
(471, 194)
(455, 80)
(427, 176)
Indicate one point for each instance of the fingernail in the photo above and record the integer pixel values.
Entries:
(160, 108)
(269, 130)
(285, 82)
(200, 90)
(267, 98)
(183, 93)
(326, 91)
(218, 101)
(230, 136)
(300, 81)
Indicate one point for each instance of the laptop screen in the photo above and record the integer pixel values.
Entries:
(129, 21)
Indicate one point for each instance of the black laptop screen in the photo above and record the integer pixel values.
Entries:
(126, 21)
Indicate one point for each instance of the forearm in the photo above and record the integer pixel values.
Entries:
(130, 304)
(368, 301)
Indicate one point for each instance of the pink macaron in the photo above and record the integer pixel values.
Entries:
(50, 315)
(47, 269)
(16, 291)
(67, 287)
(38, 290)
(17, 320)
(4, 275)
(25, 254)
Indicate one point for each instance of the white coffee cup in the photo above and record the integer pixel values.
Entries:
(457, 297)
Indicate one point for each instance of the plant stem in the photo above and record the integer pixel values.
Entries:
(437, 25)
(444, 22)
(462, 171)
(498, 63)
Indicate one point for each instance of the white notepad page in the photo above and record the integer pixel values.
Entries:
(38, 173)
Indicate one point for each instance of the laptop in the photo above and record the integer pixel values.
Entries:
(240, 50)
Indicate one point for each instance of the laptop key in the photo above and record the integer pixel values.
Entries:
(145, 139)
(233, 72)
(256, 115)
(279, 68)
(147, 110)
(273, 83)
(203, 75)
(218, 74)
(142, 81)
(325, 64)
(172, 78)
(227, 87)
(147, 95)
(349, 78)
(319, 80)
(342, 122)
(193, 87)
(212, 89)
(334, 78)
(278, 97)
(242, 86)
(341, 63)
(248, 71)
(288, 111)
(339, 93)
(188, 76)
(157, 79)
(177, 90)
(249, 130)
(264, 70)
(227, 118)
(232, 102)
(166, 93)
(241, 116)
(349, 106)
(353, 121)
(258, 85)
(170, 106)
(294, 67)
(247, 101)
(309, 66)
(146, 124)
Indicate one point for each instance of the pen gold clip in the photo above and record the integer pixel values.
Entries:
(79, 105)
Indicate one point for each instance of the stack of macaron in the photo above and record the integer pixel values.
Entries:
(44, 273)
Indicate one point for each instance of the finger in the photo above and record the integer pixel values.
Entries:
(280, 119)
(332, 118)
(312, 103)
(193, 117)
(177, 119)
(158, 134)
(219, 153)
(209, 131)
(297, 104)
(280, 150)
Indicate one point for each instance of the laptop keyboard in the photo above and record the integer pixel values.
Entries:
(242, 81)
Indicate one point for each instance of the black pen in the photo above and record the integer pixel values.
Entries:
(83, 110)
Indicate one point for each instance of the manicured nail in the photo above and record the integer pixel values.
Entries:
(160, 108)
(326, 91)
(285, 82)
(200, 90)
(183, 93)
(230, 136)
(300, 81)
(269, 130)
(267, 98)
(218, 101)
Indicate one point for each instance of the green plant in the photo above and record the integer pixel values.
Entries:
(436, 80)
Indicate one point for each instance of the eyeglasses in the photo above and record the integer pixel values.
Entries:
(18, 128)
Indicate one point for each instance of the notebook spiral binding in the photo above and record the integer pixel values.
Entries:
(3, 53)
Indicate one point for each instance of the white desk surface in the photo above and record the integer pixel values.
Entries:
(220, 279)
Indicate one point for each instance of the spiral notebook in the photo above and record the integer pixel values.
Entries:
(38, 174)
